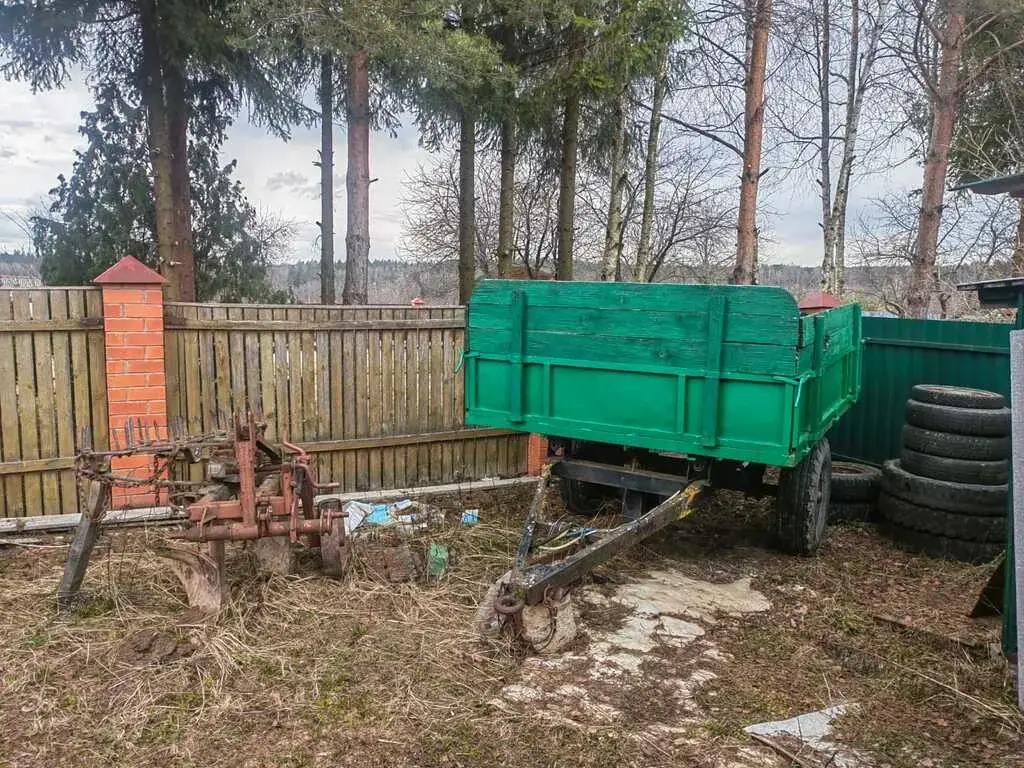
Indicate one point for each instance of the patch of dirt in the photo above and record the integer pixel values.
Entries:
(302, 671)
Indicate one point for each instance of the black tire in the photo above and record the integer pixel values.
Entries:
(967, 498)
(851, 512)
(854, 482)
(955, 446)
(957, 397)
(583, 498)
(955, 470)
(941, 546)
(802, 504)
(992, 422)
(991, 530)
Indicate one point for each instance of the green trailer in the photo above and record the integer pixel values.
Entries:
(644, 390)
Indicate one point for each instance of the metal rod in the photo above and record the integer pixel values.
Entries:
(537, 579)
(531, 521)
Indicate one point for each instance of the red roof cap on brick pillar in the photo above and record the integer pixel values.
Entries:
(818, 301)
(130, 271)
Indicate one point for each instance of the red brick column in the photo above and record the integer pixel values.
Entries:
(536, 454)
(133, 329)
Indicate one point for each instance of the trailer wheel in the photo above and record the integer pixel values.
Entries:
(801, 510)
(583, 498)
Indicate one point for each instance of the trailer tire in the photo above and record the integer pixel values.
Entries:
(966, 498)
(853, 482)
(801, 510)
(957, 397)
(983, 528)
(955, 446)
(851, 512)
(582, 498)
(987, 422)
(941, 546)
(955, 470)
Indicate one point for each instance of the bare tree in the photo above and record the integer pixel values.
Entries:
(975, 236)
(430, 233)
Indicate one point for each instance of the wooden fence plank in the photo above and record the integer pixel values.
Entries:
(360, 374)
(97, 372)
(374, 376)
(268, 395)
(222, 361)
(24, 370)
(336, 377)
(45, 402)
(294, 374)
(349, 419)
(282, 394)
(13, 497)
(63, 401)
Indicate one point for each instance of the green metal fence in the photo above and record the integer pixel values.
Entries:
(900, 353)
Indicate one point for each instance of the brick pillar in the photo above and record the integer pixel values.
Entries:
(536, 454)
(133, 331)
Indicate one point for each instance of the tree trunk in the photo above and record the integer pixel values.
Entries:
(643, 251)
(357, 181)
(610, 268)
(181, 188)
(944, 105)
(828, 263)
(745, 272)
(327, 284)
(467, 205)
(1018, 246)
(506, 201)
(567, 186)
(159, 149)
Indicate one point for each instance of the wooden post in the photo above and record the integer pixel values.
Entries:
(86, 533)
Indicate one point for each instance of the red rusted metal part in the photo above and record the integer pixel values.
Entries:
(256, 514)
(243, 531)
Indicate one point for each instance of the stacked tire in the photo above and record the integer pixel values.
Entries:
(854, 496)
(946, 495)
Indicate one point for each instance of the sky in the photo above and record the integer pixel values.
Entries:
(39, 132)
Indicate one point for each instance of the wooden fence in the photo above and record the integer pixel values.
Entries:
(376, 393)
(52, 395)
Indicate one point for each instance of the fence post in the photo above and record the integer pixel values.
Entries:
(133, 335)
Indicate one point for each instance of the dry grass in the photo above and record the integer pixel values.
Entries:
(302, 671)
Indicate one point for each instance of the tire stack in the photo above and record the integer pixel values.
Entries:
(946, 495)
(854, 496)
